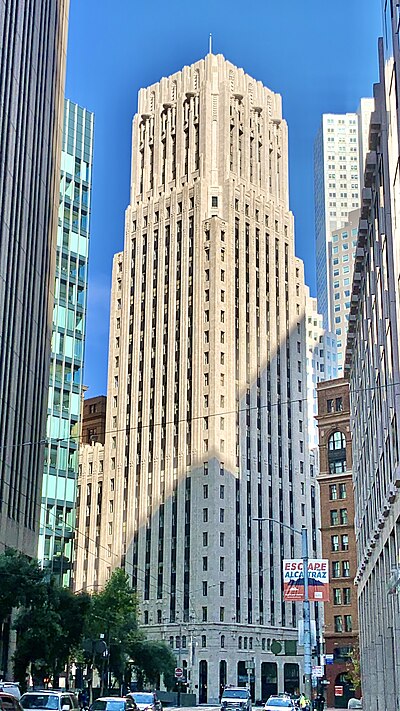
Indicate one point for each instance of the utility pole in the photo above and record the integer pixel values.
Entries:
(179, 662)
(306, 615)
(306, 603)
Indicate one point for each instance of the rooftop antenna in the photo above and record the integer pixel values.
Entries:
(210, 44)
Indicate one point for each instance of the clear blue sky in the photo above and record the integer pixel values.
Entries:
(320, 55)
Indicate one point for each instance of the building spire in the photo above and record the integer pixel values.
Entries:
(210, 44)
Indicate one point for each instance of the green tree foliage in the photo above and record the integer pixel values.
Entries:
(48, 631)
(21, 581)
(354, 668)
(151, 659)
(114, 614)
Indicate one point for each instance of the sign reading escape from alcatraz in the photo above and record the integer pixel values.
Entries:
(318, 580)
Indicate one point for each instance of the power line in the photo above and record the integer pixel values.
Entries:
(194, 418)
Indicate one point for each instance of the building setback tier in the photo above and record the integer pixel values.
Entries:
(206, 426)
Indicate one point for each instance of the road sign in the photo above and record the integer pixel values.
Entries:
(328, 658)
(318, 671)
(338, 690)
(178, 672)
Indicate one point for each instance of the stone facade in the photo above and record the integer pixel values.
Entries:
(206, 408)
(372, 363)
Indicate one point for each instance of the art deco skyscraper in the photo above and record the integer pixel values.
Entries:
(32, 66)
(206, 409)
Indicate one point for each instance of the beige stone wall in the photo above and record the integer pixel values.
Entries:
(207, 369)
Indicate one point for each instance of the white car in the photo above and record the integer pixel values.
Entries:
(275, 703)
(355, 704)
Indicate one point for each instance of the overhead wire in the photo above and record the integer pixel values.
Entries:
(50, 440)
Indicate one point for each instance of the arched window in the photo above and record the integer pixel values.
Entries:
(240, 643)
(337, 452)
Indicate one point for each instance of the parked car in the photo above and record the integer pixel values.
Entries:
(113, 703)
(354, 704)
(274, 703)
(236, 697)
(145, 700)
(50, 699)
(11, 687)
(9, 702)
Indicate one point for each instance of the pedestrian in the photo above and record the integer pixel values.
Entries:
(321, 702)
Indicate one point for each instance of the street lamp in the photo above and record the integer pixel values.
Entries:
(306, 603)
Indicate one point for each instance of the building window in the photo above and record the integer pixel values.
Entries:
(337, 452)
(335, 543)
(205, 562)
(204, 614)
(339, 404)
(348, 626)
(222, 539)
(345, 542)
(335, 569)
(222, 564)
(221, 614)
(342, 491)
(337, 596)
(338, 622)
(204, 588)
(205, 538)
(343, 517)
(205, 515)
(203, 640)
(346, 569)
(334, 517)
(329, 405)
(333, 492)
(205, 491)
(214, 201)
(346, 596)
(222, 641)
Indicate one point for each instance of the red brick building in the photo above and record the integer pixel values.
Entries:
(338, 539)
(94, 419)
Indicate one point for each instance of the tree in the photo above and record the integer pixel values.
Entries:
(21, 581)
(354, 668)
(114, 615)
(48, 631)
(151, 659)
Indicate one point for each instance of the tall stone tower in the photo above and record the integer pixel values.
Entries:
(206, 410)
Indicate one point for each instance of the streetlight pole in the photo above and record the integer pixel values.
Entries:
(306, 602)
(306, 614)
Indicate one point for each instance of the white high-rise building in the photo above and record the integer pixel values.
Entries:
(341, 250)
(207, 399)
(339, 155)
(321, 362)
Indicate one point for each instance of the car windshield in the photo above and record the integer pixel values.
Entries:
(280, 703)
(143, 698)
(108, 705)
(235, 694)
(39, 701)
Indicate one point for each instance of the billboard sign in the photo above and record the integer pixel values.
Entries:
(318, 580)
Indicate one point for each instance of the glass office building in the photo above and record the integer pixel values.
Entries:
(67, 349)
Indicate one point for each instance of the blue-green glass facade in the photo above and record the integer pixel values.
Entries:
(67, 349)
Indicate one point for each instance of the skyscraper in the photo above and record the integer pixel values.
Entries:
(336, 191)
(341, 251)
(67, 347)
(339, 156)
(32, 60)
(206, 424)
